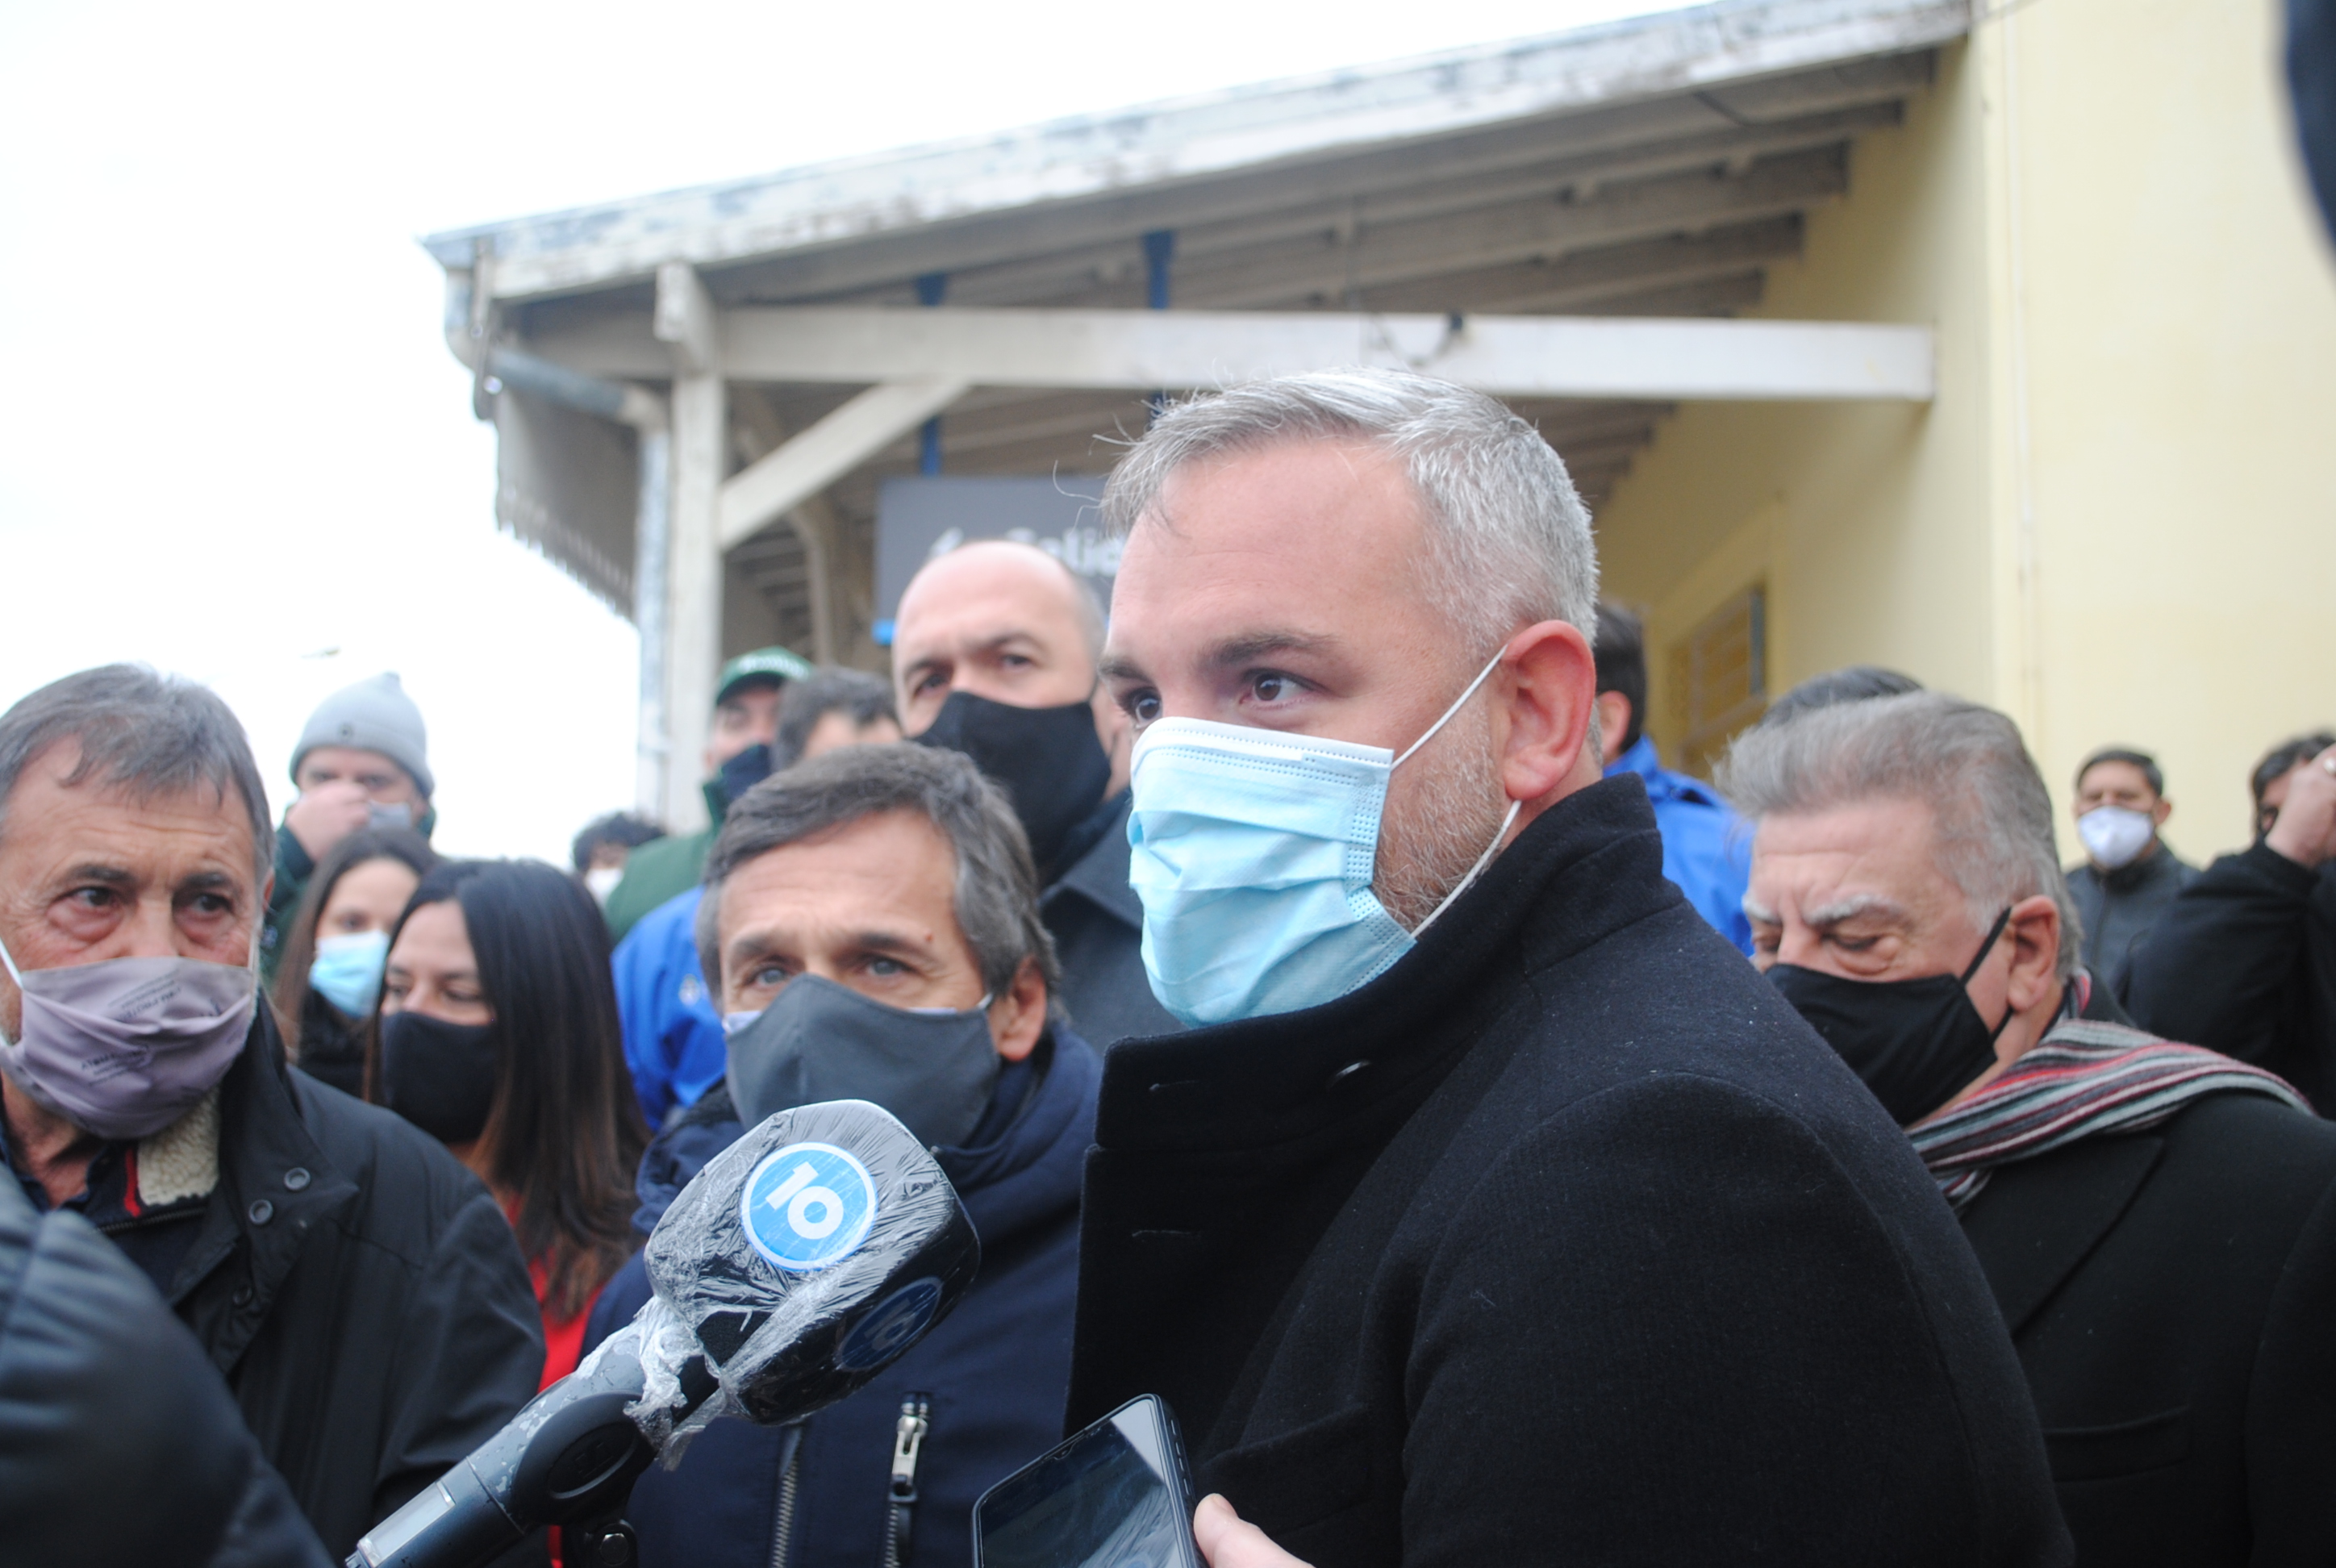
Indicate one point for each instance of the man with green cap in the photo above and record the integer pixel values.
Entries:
(363, 761)
(737, 758)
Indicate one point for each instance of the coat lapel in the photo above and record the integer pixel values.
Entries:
(2037, 1220)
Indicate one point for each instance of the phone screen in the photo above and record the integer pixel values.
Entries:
(1114, 1496)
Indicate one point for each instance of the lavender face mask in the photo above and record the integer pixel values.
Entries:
(124, 1046)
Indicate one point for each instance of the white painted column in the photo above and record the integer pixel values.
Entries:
(686, 323)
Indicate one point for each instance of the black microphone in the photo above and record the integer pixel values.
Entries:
(802, 1261)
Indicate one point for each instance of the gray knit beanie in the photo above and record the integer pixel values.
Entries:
(371, 715)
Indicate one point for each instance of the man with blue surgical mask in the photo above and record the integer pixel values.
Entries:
(2128, 875)
(1494, 1210)
(358, 1290)
(871, 924)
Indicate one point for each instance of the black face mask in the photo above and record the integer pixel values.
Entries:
(1914, 1043)
(440, 1076)
(744, 772)
(819, 1041)
(1052, 766)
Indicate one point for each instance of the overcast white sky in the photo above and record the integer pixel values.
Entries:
(235, 446)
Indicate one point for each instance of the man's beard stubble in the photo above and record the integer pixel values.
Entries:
(1439, 820)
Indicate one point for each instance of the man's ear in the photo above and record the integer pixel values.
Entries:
(1545, 690)
(2161, 810)
(1019, 1017)
(2034, 933)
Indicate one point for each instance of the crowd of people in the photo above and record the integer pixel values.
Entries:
(1491, 1143)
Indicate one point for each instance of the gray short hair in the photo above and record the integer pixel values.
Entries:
(1513, 543)
(997, 885)
(1965, 762)
(146, 734)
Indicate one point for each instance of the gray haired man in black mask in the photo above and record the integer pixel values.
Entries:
(994, 656)
(2159, 1221)
(871, 932)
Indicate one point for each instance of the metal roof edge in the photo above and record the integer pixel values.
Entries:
(1281, 121)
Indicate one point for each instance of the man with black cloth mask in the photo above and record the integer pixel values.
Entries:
(2159, 1221)
(871, 927)
(994, 655)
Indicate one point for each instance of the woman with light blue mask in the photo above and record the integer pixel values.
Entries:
(337, 945)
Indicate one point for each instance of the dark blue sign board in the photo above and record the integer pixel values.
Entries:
(918, 517)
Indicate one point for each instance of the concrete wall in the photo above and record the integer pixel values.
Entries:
(2115, 520)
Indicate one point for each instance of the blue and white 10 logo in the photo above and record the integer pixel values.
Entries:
(807, 1206)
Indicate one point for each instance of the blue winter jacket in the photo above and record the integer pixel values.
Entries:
(1707, 849)
(996, 1371)
(673, 1036)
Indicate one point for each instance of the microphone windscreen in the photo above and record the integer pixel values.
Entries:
(809, 1254)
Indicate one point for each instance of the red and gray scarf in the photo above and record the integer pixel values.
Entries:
(2082, 1078)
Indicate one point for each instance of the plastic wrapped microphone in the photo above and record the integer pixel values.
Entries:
(800, 1261)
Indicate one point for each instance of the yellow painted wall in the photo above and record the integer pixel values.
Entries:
(2097, 207)
(1866, 520)
(2180, 317)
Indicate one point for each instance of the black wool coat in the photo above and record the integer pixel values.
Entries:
(2172, 1294)
(1564, 1240)
(2244, 962)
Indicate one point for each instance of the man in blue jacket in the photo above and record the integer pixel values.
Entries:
(673, 1030)
(871, 921)
(1706, 851)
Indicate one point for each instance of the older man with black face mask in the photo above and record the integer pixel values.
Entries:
(994, 655)
(358, 1289)
(2159, 1221)
(1495, 1211)
(870, 922)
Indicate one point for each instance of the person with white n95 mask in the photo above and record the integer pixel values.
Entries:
(2129, 875)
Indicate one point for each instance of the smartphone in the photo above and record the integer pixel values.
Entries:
(1116, 1496)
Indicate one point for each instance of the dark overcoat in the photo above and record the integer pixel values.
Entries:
(1564, 1240)
(2172, 1294)
(2244, 962)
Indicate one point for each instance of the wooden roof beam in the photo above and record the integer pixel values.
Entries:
(944, 350)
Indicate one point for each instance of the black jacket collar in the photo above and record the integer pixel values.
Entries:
(1099, 874)
(275, 1185)
(1586, 868)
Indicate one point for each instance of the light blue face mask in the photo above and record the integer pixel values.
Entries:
(1253, 851)
(347, 970)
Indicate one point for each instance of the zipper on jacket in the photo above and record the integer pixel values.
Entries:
(908, 1446)
(783, 1522)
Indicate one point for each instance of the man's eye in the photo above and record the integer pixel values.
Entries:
(930, 680)
(885, 968)
(1271, 687)
(767, 975)
(1143, 706)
